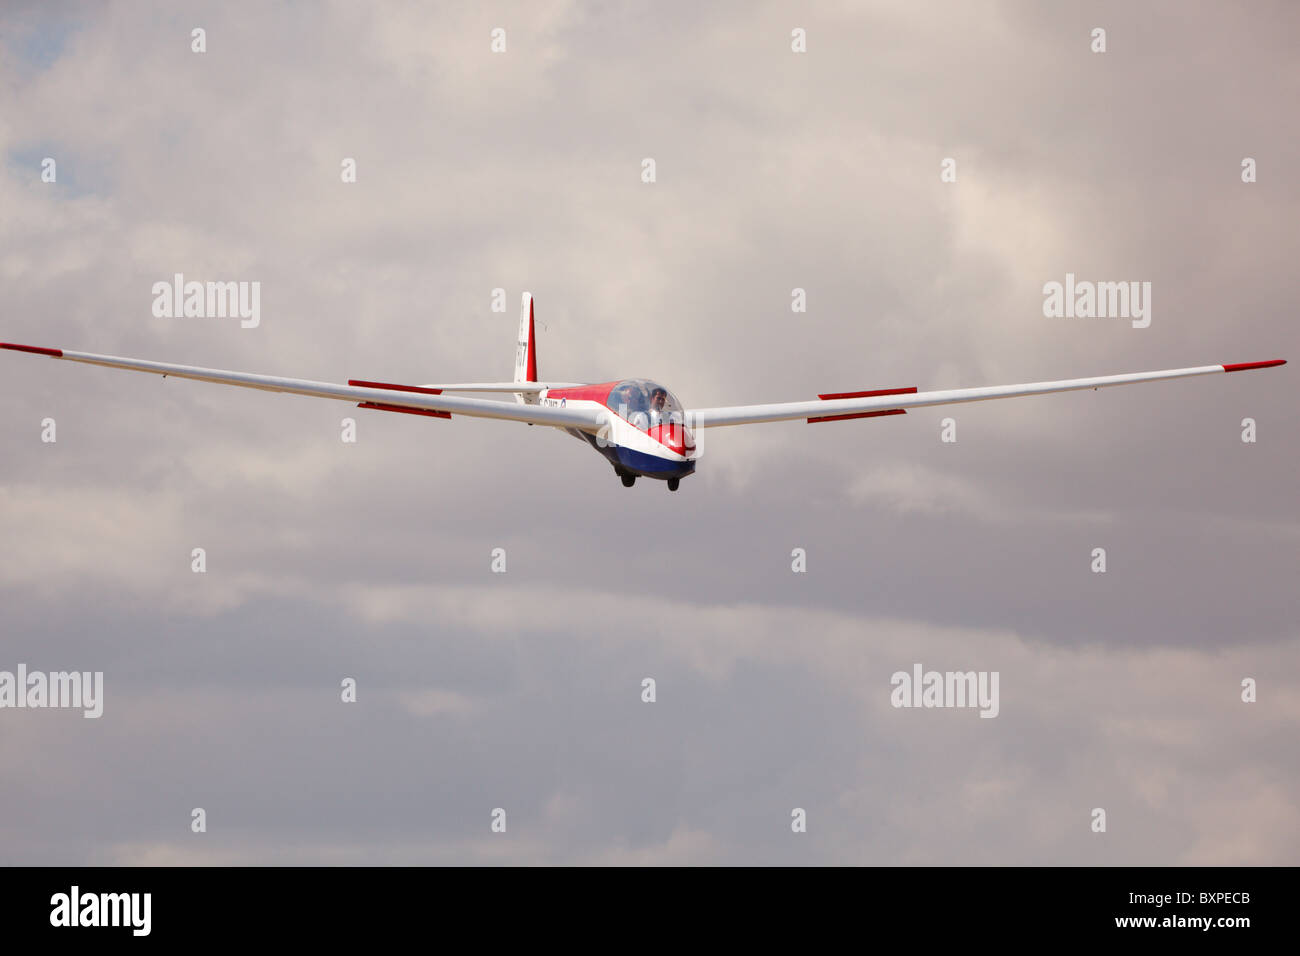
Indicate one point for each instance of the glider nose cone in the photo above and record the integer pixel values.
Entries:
(675, 437)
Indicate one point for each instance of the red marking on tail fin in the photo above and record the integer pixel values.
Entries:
(34, 349)
(1246, 366)
(532, 345)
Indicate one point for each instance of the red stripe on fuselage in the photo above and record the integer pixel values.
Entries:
(584, 393)
(673, 436)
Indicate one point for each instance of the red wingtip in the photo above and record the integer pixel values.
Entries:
(34, 349)
(1246, 366)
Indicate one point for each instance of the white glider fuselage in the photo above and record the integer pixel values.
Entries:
(645, 432)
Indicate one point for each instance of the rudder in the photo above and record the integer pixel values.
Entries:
(526, 350)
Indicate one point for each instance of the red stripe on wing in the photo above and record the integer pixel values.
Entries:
(379, 406)
(831, 396)
(842, 418)
(395, 388)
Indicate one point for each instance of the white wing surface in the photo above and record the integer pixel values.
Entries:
(384, 396)
(844, 405)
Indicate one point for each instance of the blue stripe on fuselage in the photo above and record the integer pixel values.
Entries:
(640, 463)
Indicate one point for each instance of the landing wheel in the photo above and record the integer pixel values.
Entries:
(628, 480)
(673, 483)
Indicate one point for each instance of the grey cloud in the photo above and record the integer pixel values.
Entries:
(522, 690)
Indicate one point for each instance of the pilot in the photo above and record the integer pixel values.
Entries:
(631, 397)
(658, 399)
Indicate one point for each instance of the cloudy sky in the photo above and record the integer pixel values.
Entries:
(775, 170)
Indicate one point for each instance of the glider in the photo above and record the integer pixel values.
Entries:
(635, 423)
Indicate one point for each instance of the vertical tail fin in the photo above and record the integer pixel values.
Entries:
(526, 350)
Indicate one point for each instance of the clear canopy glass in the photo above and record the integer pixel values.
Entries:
(645, 404)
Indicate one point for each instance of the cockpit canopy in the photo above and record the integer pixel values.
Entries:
(645, 404)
